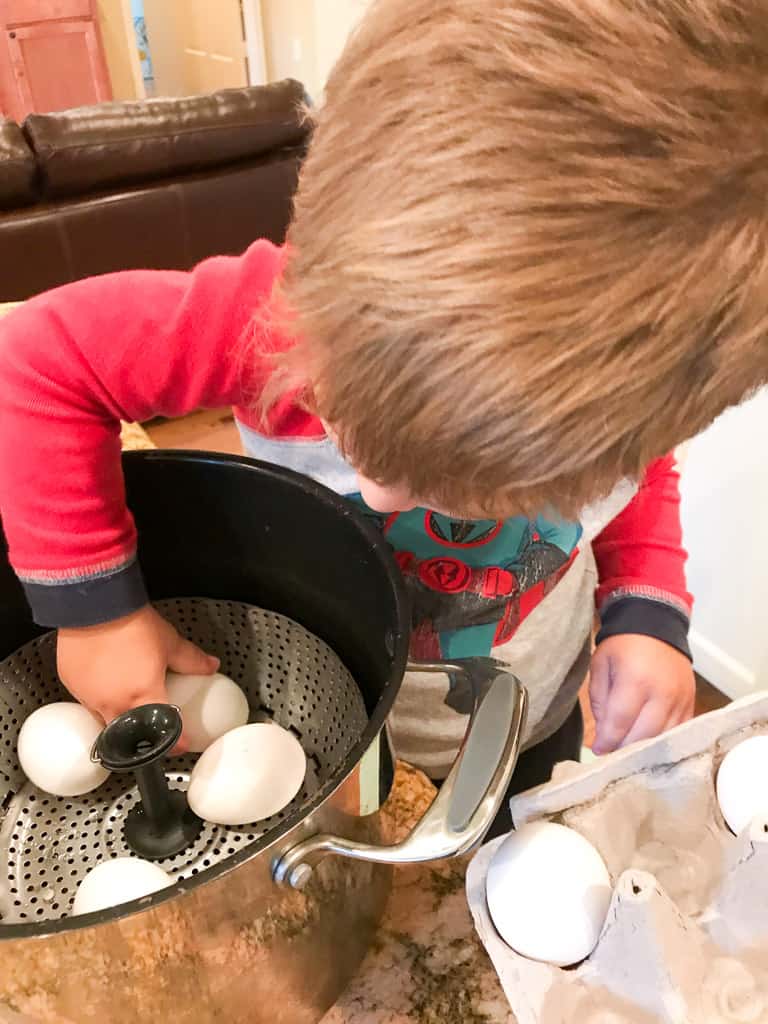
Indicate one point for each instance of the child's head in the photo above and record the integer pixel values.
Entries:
(531, 241)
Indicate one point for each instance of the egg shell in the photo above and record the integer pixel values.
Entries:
(118, 881)
(741, 783)
(210, 706)
(54, 749)
(548, 892)
(248, 774)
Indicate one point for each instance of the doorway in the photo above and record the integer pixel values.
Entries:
(142, 45)
(188, 47)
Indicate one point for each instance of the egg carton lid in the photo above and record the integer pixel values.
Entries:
(573, 783)
(681, 961)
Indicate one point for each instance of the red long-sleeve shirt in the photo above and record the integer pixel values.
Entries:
(77, 360)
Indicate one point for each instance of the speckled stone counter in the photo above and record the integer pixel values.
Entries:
(427, 965)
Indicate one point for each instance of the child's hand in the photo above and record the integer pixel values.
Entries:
(639, 687)
(122, 664)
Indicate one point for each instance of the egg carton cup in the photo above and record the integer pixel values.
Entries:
(685, 940)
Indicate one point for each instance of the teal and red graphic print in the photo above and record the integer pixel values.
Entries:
(472, 582)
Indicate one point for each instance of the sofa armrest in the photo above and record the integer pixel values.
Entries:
(115, 144)
(18, 173)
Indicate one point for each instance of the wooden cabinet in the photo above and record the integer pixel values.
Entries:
(51, 56)
(21, 12)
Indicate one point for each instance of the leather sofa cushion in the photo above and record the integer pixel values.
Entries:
(116, 144)
(167, 224)
(18, 173)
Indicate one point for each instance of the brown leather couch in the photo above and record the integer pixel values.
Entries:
(156, 183)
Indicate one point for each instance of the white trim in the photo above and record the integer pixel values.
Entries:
(254, 42)
(720, 668)
(133, 50)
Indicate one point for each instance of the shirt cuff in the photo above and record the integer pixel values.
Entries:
(88, 602)
(643, 616)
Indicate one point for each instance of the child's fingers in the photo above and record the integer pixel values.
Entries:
(186, 658)
(156, 693)
(599, 684)
(689, 704)
(651, 721)
(621, 713)
(681, 714)
(159, 695)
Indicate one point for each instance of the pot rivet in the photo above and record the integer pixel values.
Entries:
(299, 876)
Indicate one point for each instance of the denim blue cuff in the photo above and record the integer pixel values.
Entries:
(88, 602)
(648, 618)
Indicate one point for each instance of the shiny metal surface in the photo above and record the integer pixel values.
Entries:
(471, 795)
(234, 949)
(48, 844)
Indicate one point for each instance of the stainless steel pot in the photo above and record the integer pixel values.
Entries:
(269, 933)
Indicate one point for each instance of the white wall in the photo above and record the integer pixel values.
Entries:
(303, 38)
(334, 20)
(254, 42)
(725, 524)
(290, 42)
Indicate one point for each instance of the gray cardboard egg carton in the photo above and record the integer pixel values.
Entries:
(686, 937)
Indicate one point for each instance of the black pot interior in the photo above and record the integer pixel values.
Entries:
(229, 528)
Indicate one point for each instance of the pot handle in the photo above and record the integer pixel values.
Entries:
(471, 795)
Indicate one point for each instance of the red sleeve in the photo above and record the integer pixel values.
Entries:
(76, 361)
(640, 553)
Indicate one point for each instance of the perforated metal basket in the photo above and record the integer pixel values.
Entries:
(48, 843)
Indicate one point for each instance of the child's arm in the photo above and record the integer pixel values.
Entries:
(642, 682)
(73, 363)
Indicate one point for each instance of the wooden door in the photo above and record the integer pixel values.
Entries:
(55, 58)
(58, 65)
(196, 46)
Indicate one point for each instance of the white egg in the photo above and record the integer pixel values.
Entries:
(741, 783)
(548, 893)
(248, 774)
(118, 881)
(54, 749)
(210, 706)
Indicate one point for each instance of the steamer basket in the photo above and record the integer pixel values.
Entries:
(48, 844)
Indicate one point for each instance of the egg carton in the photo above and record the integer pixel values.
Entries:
(685, 940)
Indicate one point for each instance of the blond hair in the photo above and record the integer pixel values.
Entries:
(530, 247)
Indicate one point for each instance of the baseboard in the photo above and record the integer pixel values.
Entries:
(723, 671)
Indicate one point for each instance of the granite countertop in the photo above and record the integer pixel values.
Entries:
(427, 965)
